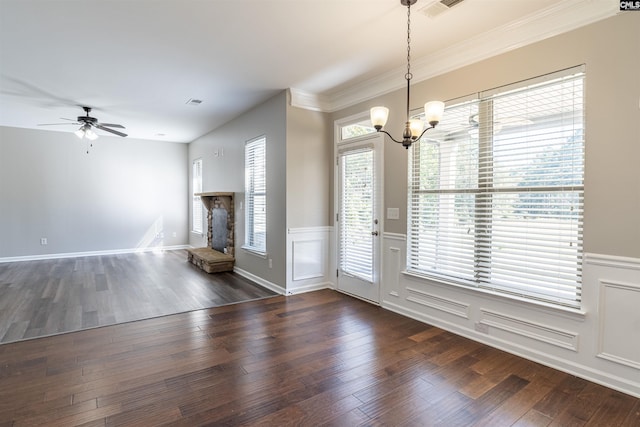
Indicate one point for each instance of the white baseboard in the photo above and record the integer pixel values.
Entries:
(309, 288)
(92, 253)
(260, 281)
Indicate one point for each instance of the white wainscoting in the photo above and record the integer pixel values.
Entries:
(308, 259)
(600, 342)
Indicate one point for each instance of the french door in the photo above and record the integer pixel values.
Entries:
(359, 197)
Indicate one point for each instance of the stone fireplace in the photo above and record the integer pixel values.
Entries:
(219, 254)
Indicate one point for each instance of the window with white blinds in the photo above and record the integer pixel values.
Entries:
(196, 204)
(255, 185)
(496, 192)
(356, 212)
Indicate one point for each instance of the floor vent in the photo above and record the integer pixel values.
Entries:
(434, 9)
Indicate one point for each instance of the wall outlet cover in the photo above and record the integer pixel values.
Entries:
(393, 213)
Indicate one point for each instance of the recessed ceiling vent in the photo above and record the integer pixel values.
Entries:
(194, 102)
(436, 8)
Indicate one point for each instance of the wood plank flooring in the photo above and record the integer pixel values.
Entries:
(320, 358)
(39, 298)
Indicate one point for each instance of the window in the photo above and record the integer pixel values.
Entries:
(357, 129)
(196, 208)
(357, 212)
(496, 192)
(255, 187)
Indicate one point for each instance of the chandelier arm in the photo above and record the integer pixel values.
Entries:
(389, 135)
(423, 132)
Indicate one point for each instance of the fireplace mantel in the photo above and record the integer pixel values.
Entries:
(209, 197)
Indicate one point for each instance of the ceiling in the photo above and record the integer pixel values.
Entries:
(138, 62)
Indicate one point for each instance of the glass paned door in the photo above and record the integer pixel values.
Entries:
(358, 218)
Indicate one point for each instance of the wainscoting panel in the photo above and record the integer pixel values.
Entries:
(600, 342)
(619, 332)
(393, 256)
(308, 259)
(446, 305)
(532, 330)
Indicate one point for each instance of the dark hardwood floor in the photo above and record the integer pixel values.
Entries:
(39, 298)
(320, 358)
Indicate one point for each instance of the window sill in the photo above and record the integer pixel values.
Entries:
(254, 252)
(547, 308)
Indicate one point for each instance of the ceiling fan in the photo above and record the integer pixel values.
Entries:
(87, 122)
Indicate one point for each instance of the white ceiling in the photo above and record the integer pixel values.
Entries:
(137, 62)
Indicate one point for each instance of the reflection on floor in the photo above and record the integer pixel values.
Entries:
(39, 298)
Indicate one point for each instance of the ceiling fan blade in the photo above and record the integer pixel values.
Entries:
(56, 124)
(111, 125)
(115, 132)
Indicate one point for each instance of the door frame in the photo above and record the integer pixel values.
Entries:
(376, 140)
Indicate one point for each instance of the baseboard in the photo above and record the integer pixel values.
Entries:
(260, 281)
(309, 288)
(606, 379)
(92, 253)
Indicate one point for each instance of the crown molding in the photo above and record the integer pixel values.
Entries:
(560, 18)
(309, 100)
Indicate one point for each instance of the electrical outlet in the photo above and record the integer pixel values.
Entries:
(482, 328)
(270, 263)
(43, 241)
(174, 234)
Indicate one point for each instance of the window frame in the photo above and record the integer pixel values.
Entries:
(484, 102)
(197, 208)
(255, 185)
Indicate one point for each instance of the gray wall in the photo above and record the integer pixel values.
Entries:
(117, 197)
(309, 168)
(610, 49)
(226, 173)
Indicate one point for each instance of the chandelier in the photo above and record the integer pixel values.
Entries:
(433, 110)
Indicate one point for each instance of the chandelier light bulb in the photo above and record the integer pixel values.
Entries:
(379, 116)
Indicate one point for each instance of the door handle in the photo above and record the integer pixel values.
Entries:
(374, 233)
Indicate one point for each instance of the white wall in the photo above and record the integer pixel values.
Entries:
(126, 194)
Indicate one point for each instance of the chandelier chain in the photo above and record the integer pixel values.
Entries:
(408, 76)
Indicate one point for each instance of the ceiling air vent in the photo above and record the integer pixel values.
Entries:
(194, 101)
(436, 8)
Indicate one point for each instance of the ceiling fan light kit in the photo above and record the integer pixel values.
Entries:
(433, 110)
(86, 132)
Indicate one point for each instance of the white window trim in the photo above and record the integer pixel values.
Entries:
(254, 250)
(196, 203)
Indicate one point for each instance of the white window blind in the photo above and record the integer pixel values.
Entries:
(356, 212)
(196, 207)
(255, 163)
(496, 192)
